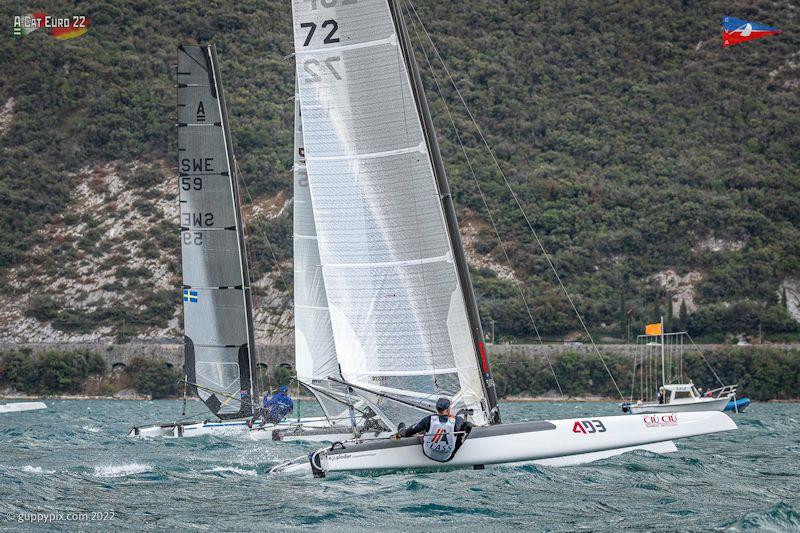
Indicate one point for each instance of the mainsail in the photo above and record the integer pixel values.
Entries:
(398, 292)
(218, 325)
(315, 350)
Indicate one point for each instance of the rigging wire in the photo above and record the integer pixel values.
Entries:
(633, 376)
(517, 201)
(263, 226)
(263, 229)
(704, 359)
(516, 282)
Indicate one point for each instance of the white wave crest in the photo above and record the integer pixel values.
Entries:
(36, 470)
(121, 470)
(232, 470)
(91, 429)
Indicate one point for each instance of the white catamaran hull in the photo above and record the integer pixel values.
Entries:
(197, 429)
(686, 406)
(570, 460)
(331, 434)
(21, 406)
(594, 438)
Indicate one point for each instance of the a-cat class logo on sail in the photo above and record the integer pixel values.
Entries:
(61, 28)
(735, 31)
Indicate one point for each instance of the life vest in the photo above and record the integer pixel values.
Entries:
(439, 442)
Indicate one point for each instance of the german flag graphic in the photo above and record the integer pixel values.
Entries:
(77, 27)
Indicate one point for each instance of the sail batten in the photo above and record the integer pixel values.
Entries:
(391, 40)
(219, 345)
(421, 372)
(377, 264)
(396, 305)
(375, 155)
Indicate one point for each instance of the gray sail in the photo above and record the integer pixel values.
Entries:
(219, 347)
(315, 350)
(397, 308)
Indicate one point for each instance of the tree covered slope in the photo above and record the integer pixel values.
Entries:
(659, 169)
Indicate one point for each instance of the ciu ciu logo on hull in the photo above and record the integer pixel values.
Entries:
(651, 421)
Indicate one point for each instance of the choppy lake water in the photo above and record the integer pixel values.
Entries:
(75, 457)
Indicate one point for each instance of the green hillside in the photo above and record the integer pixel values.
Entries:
(637, 144)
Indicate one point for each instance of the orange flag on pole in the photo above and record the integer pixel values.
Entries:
(652, 329)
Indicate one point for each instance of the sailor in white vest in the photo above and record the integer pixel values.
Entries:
(443, 432)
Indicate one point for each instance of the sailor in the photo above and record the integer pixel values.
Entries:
(276, 406)
(444, 433)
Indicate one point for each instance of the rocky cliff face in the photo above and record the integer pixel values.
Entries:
(108, 267)
(789, 293)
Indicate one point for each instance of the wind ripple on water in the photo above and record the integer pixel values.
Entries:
(75, 456)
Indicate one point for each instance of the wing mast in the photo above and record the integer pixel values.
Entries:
(249, 372)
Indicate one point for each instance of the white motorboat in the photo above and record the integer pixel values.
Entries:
(17, 407)
(674, 394)
(682, 398)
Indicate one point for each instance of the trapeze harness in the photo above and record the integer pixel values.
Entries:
(439, 443)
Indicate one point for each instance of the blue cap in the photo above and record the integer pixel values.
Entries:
(442, 404)
(284, 388)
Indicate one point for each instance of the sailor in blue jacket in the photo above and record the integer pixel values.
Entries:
(276, 406)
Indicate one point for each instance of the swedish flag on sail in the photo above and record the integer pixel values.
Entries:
(189, 296)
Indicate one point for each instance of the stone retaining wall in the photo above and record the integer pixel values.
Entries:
(540, 350)
(273, 354)
(116, 355)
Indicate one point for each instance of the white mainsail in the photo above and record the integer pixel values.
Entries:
(315, 350)
(397, 309)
